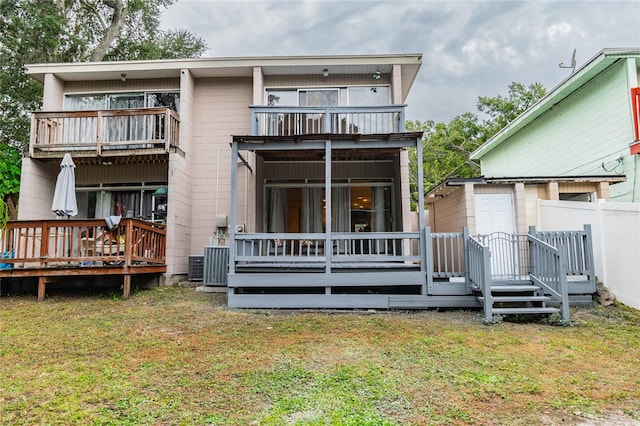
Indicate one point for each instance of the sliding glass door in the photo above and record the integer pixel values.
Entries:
(356, 207)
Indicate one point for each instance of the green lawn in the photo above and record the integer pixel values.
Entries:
(172, 356)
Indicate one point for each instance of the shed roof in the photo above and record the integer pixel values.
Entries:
(449, 185)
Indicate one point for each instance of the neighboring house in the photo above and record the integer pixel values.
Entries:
(135, 128)
(578, 143)
(587, 126)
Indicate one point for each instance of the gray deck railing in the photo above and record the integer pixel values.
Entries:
(104, 131)
(479, 272)
(577, 247)
(448, 254)
(548, 270)
(307, 249)
(289, 121)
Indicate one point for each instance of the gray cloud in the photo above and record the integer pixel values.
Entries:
(471, 48)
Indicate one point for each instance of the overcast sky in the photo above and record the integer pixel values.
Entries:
(470, 48)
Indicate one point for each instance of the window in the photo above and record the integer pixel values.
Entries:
(128, 201)
(123, 101)
(369, 96)
(349, 96)
(365, 206)
(577, 196)
(358, 121)
(120, 128)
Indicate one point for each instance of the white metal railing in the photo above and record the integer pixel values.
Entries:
(103, 130)
(509, 255)
(288, 121)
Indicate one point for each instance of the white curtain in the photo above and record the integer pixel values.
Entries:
(378, 224)
(312, 210)
(275, 219)
(103, 204)
(341, 209)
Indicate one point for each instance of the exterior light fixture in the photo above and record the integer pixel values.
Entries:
(325, 72)
(377, 75)
(123, 77)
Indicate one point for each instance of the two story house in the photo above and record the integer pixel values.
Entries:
(219, 146)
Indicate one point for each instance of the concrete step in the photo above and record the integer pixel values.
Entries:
(507, 311)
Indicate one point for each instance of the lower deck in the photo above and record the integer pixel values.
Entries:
(64, 250)
(408, 270)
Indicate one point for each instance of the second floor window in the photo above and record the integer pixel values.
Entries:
(122, 101)
(345, 96)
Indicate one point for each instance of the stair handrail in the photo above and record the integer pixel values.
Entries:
(480, 273)
(548, 266)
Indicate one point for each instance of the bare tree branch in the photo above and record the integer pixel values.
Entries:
(117, 20)
(91, 7)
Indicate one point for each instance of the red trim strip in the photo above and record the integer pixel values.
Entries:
(635, 100)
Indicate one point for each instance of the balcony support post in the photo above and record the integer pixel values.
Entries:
(168, 129)
(99, 134)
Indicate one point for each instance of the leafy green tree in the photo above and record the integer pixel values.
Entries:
(44, 31)
(446, 146)
(504, 109)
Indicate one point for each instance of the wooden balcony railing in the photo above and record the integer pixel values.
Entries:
(104, 132)
(53, 243)
(289, 121)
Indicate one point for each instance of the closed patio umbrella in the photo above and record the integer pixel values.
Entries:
(64, 196)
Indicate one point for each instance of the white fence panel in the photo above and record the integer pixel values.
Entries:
(616, 240)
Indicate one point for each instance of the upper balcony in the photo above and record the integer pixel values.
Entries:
(289, 121)
(104, 133)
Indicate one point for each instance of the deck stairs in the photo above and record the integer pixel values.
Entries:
(522, 274)
(523, 297)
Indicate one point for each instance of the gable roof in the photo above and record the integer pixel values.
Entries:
(596, 65)
(235, 67)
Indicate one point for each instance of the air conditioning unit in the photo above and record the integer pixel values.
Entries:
(196, 267)
(239, 229)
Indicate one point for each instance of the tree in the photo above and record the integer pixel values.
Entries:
(42, 31)
(503, 110)
(446, 146)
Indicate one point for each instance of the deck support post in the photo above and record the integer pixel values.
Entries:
(233, 210)
(427, 257)
(127, 286)
(328, 245)
(467, 262)
(42, 285)
(425, 234)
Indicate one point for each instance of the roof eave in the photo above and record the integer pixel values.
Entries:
(579, 78)
(240, 66)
